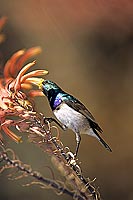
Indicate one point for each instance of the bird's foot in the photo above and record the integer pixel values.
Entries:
(75, 155)
(64, 127)
(76, 151)
(70, 156)
(51, 119)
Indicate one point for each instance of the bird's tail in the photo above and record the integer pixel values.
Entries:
(104, 144)
(94, 133)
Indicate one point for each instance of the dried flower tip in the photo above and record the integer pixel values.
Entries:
(28, 54)
(33, 73)
(26, 86)
(35, 50)
(10, 66)
(14, 137)
(17, 84)
(35, 93)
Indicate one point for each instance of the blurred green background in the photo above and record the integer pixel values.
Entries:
(88, 50)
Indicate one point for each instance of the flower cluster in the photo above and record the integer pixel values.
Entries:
(13, 102)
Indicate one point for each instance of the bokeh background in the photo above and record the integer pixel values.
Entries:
(88, 50)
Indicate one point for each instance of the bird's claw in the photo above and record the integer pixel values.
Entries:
(50, 119)
(47, 120)
(75, 155)
(64, 127)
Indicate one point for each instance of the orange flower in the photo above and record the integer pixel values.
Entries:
(13, 101)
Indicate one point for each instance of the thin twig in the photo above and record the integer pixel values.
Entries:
(39, 177)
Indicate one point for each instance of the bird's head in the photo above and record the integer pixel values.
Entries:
(49, 88)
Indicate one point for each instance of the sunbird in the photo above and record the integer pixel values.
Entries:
(72, 113)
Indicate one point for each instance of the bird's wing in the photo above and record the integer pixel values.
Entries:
(79, 107)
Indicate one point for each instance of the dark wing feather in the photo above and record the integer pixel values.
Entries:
(79, 107)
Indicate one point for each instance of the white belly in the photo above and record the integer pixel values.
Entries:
(71, 118)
